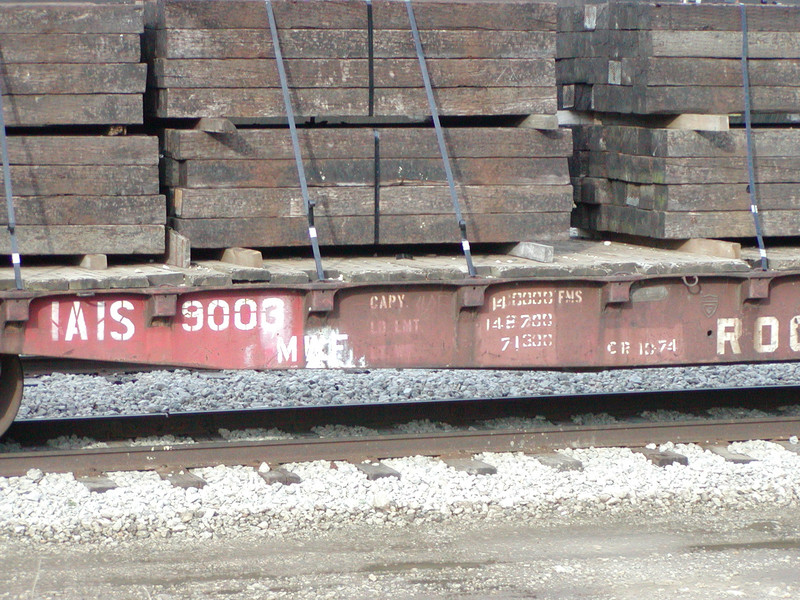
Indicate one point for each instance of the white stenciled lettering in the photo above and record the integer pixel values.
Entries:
(76, 324)
(55, 320)
(239, 311)
(387, 301)
(794, 334)
(218, 315)
(246, 315)
(192, 310)
(766, 335)
(101, 320)
(728, 332)
(273, 317)
(287, 351)
(117, 316)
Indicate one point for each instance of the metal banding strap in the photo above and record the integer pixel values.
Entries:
(12, 221)
(298, 157)
(371, 57)
(376, 235)
(462, 224)
(749, 135)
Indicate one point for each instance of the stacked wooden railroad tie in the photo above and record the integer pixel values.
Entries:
(647, 65)
(240, 188)
(669, 183)
(647, 58)
(72, 63)
(72, 75)
(215, 59)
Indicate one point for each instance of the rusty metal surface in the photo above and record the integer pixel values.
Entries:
(390, 446)
(618, 321)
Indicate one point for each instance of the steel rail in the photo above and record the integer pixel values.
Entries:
(305, 449)
(301, 419)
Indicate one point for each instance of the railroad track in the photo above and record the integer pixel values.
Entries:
(470, 434)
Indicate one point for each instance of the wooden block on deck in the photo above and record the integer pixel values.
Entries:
(533, 251)
(215, 125)
(706, 247)
(699, 122)
(244, 257)
(93, 262)
(179, 250)
(543, 122)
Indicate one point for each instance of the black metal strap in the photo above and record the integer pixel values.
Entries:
(749, 134)
(376, 235)
(298, 157)
(371, 57)
(12, 220)
(462, 224)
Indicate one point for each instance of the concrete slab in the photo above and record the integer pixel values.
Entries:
(376, 470)
(97, 484)
(791, 447)
(183, 479)
(279, 475)
(662, 459)
(559, 462)
(733, 457)
(470, 465)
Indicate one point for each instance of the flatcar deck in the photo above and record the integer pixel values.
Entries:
(598, 304)
(572, 258)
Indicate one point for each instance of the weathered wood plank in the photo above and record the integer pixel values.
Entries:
(656, 43)
(484, 142)
(74, 78)
(644, 169)
(350, 43)
(89, 210)
(100, 180)
(78, 48)
(685, 225)
(71, 17)
(704, 17)
(258, 102)
(394, 229)
(338, 102)
(245, 14)
(689, 198)
(336, 172)
(353, 73)
(468, 101)
(73, 109)
(82, 150)
(355, 201)
(708, 71)
(85, 239)
(694, 99)
(676, 143)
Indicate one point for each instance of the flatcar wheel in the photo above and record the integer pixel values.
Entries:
(10, 389)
